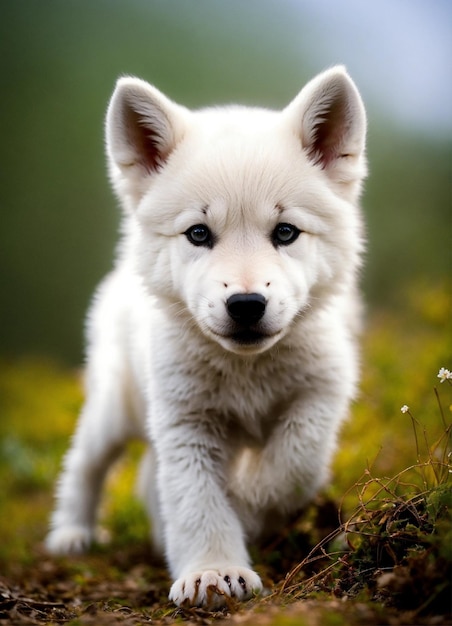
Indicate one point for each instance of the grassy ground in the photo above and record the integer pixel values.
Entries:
(386, 518)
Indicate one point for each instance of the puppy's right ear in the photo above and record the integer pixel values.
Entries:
(142, 129)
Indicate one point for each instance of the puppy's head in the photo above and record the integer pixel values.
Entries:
(241, 219)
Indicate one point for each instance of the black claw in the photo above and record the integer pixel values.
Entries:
(197, 584)
(227, 580)
(242, 583)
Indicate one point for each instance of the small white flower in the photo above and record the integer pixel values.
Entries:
(405, 408)
(444, 374)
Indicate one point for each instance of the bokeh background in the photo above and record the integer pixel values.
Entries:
(58, 64)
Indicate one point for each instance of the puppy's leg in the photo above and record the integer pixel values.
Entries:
(99, 438)
(205, 544)
(294, 464)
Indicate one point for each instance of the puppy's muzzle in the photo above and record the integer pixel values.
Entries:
(246, 309)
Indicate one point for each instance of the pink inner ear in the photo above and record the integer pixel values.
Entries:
(330, 132)
(145, 140)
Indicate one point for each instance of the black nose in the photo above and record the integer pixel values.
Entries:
(246, 308)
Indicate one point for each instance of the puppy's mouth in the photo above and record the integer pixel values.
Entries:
(248, 337)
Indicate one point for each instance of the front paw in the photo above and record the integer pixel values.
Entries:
(69, 540)
(212, 588)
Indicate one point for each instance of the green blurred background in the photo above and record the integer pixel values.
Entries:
(59, 60)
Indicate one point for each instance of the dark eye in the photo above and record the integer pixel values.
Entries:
(199, 235)
(285, 234)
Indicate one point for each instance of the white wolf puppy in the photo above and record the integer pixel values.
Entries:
(225, 335)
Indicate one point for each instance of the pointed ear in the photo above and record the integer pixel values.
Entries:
(331, 121)
(142, 129)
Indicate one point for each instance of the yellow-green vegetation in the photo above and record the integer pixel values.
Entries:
(389, 555)
(38, 405)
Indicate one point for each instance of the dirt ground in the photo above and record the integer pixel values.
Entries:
(122, 585)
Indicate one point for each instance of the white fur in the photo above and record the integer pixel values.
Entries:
(239, 433)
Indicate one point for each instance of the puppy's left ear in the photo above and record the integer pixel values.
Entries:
(330, 119)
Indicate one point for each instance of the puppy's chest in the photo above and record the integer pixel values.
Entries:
(244, 396)
(251, 398)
